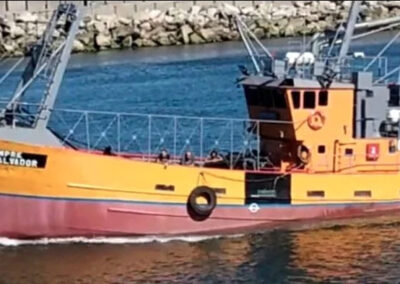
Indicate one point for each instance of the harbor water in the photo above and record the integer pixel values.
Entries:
(198, 81)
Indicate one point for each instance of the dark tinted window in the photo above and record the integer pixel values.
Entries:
(253, 96)
(323, 98)
(279, 99)
(321, 149)
(267, 98)
(296, 99)
(309, 100)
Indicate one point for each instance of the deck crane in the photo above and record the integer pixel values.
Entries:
(48, 61)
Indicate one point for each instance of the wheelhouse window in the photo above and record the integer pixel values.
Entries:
(309, 100)
(323, 98)
(296, 99)
(253, 96)
(266, 97)
(279, 98)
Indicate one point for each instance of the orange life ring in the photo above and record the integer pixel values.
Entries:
(316, 120)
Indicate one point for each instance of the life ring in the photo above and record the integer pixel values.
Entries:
(303, 154)
(316, 120)
(199, 209)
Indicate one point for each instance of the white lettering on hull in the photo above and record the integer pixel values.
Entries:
(19, 159)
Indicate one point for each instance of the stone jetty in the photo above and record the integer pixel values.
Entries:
(197, 25)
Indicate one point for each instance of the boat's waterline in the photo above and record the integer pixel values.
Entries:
(38, 218)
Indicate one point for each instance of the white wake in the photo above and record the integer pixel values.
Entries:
(107, 240)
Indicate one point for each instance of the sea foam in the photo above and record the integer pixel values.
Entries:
(7, 242)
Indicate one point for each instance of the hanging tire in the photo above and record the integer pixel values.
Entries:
(198, 210)
(303, 154)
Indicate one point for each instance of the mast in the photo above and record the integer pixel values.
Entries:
(48, 61)
(331, 70)
(60, 64)
(351, 23)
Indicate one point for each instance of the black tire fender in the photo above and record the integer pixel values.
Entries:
(202, 210)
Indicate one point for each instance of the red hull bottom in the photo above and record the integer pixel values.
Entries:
(26, 217)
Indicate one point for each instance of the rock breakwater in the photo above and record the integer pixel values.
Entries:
(197, 25)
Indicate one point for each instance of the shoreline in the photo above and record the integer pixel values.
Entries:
(193, 26)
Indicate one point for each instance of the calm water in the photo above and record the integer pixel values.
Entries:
(198, 81)
(353, 252)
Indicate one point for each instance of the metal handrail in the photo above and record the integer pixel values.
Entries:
(146, 114)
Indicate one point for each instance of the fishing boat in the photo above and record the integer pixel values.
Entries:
(321, 142)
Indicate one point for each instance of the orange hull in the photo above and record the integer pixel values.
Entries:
(74, 193)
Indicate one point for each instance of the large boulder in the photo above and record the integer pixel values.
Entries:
(195, 10)
(263, 24)
(8, 46)
(186, 30)
(148, 43)
(85, 37)
(259, 33)
(127, 42)
(122, 32)
(229, 9)
(249, 11)
(26, 17)
(40, 28)
(395, 12)
(327, 7)
(137, 42)
(109, 21)
(30, 28)
(124, 21)
(289, 31)
(103, 41)
(146, 26)
(377, 12)
(298, 4)
(208, 35)
(304, 12)
(154, 14)
(78, 46)
(3, 22)
(273, 31)
(154, 34)
(390, 4)
(298, 25)
(265, 9)
(87, 19)
(313, 18)
(16, 31)
(279, 13)
(196, 39)
(98, 26)
(163, 39)
(212, 13)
